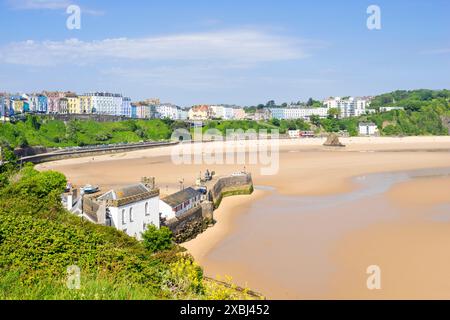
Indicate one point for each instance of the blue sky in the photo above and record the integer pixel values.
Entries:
(237, 52)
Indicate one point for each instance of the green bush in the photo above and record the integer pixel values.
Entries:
(157, 239)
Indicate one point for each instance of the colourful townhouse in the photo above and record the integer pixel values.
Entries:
(73, 104)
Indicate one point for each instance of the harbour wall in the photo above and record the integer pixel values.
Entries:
(198, 219)
(229, 186)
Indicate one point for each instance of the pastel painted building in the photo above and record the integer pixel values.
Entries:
(142, 110)
(17, 104)
(85, 104)
(262, 114)
(53, 105)
(73, 104)
(4, 106)
(63, 105)
(239, 114)
(133, 111)
(222, 112)
(182, 114)
(38, 103)
(126, 107)
(278, 113)
(201, 112)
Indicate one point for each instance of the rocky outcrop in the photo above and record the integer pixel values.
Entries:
(189, 225)
(333, 141)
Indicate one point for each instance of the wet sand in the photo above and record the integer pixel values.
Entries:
(412, 251)
(314, 234)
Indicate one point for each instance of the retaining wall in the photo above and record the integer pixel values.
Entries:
(88, 152)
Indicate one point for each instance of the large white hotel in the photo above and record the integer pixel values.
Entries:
(294, 112)
(109, 103)
(348, 107)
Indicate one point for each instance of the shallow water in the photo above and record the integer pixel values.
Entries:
(283, 244)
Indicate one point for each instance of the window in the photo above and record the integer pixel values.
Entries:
(131, 215)
(146, 208)
(123, 216)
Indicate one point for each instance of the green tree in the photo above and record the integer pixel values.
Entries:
(333, 113)
(157, 239)
(315, 120)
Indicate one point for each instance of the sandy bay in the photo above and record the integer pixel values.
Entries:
(282, 243)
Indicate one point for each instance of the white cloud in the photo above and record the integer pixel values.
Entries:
(48, 5)
(232, 46)
(39, 4)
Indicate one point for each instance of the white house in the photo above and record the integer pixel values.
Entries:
(239, 113)
(171, 111)
(132, 208)
(178, 203)
(367, 129)
(294, 133)
(387, 109)
(218, 112)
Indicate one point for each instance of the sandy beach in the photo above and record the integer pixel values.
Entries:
(313, 233)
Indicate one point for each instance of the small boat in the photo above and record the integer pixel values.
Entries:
(90, 189)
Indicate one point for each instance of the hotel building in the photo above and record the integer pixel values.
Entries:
(349, 107)
(106, 103)
(293, 113)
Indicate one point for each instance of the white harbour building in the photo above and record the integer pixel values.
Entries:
(179, 203)
(129, 209)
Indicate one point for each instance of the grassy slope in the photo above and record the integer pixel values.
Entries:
(39, 240)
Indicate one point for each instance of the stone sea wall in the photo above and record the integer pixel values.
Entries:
(197, 220)
(231, 185)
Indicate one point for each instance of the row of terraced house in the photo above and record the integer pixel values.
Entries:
(105, 103)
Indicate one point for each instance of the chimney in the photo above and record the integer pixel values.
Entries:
(148, 182)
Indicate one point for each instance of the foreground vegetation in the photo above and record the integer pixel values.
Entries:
(39, 240)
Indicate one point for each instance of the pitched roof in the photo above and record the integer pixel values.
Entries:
(367, 124)
(125, 192)
(129, 194)
(181, 196)
(201, 108)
